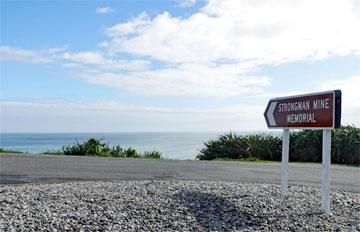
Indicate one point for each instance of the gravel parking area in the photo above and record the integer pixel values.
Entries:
(172, 206)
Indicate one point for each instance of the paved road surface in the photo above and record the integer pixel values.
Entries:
(20, 168)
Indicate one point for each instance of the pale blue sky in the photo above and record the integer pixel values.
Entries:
(85, 66)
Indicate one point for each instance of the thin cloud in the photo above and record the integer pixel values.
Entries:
(101, 62)
(90, 59)
(104, 10)
(184, 80)
(112, 106)
(186, 3)
(27, 55)
(53, 115)
(133, 26)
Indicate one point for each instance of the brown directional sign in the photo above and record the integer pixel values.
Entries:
(313, 111)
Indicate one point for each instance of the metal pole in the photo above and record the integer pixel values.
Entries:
(284, 162)
(325, 175)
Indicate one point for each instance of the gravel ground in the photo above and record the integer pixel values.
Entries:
(172, 206)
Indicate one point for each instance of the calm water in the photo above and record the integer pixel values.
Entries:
(171, 145)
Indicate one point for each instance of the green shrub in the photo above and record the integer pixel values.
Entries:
(262, 146)
(228, 145)
(151, 155)
(132, 153)
(94, 147)
(305, 146)
(346, 145)
(53, 153)
(117, 152)
(2, 150)
(77, 149)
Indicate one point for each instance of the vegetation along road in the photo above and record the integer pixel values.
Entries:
(24, 168)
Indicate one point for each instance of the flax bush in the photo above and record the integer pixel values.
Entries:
(305, 146)
(95, 147)
(261, 146)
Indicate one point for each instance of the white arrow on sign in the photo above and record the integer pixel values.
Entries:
(270, 114)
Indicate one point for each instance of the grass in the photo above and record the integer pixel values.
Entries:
(2, 150)
(53, 153)
(245, 160)
(258, 161)
(136, 155)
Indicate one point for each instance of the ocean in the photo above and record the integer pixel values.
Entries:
(172, 145)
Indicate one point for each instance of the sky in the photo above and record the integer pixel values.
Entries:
(181, 65)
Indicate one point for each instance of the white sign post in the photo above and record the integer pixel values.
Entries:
(284, 162)
(325, 175)
(310, 111)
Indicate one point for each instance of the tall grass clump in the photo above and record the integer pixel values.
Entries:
(95, 147)
(151, 155)
(346, 145)
(305, 146)
(92, 147)
(262, 146)
(226, 146)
